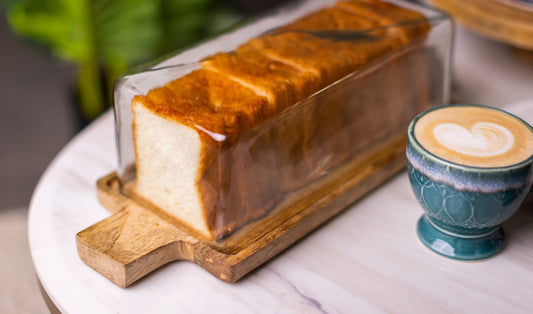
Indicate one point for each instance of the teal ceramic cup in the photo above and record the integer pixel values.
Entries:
(464, 206)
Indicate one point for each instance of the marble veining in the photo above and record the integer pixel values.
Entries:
(309, 300)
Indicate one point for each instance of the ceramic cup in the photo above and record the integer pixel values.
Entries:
(464, 205)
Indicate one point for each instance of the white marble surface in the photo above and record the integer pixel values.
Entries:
(366, 260)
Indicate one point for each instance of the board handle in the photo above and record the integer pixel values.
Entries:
(131, 243)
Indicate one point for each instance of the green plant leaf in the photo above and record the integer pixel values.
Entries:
(126, 31)
(111, 35)
(54, 23)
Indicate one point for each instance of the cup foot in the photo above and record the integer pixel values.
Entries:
(455, 246)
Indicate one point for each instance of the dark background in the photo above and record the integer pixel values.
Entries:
(35, 115)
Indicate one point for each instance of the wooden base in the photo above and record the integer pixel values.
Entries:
(506, 21)
(135, 241)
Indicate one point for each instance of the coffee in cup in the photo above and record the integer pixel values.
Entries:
(470, 167)
(475, 136)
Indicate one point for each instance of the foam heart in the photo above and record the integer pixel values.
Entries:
(484, 139)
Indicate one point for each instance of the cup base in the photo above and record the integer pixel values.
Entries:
(455, 246)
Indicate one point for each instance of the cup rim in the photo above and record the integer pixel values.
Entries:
(414, 142)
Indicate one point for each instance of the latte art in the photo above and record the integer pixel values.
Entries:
(485, 139)
(475, 136)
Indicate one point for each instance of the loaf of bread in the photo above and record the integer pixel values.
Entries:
(228, 143)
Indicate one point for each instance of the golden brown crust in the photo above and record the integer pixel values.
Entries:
(328, 59)
(331, 19)
(246, 177)
(305, 44)
(254, 72)
(410, 23)
(285, 66)
(280, 83)
(207, 99)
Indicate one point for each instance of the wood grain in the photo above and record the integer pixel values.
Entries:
(503, 21)
(134, 241)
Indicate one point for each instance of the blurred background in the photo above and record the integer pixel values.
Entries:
(59, 59)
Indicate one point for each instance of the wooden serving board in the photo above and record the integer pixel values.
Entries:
(136, 240)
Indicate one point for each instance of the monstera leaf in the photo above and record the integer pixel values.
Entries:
(105, 37)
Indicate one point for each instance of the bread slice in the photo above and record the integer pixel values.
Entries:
(282, 84)
(311, 44)
(320, 44)
(330, 19)
(394, 20)
(180, 133)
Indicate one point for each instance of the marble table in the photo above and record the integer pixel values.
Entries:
(368, 259)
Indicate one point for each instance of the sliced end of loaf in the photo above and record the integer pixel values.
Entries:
(167, 168)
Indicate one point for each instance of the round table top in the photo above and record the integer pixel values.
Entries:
(367, 259)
